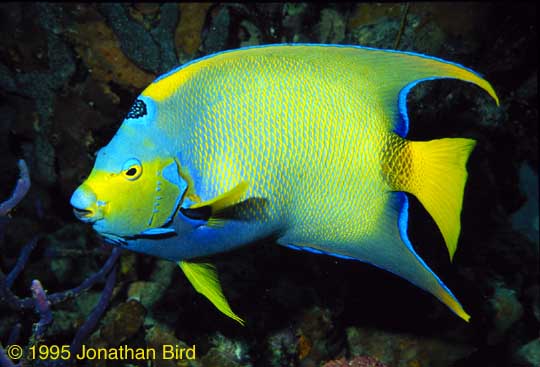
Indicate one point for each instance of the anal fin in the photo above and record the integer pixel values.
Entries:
(387, 247)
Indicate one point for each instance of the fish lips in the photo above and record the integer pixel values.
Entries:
(84, 215)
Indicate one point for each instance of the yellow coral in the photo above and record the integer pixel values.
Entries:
(188, 33)
(144, 13)
(371, 13)
(100, 50)
(304, 346)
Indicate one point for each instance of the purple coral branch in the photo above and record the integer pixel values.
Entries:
(39, 300)
(4, 359)
(90, 281)
(11, 300)
(21, 188)
(42, 304)
(95, 315)
(7, 281)
(14, 335)
(21, 261)
(18, 304)
(43, 307)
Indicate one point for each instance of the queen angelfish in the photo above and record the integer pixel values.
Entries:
(302, 142)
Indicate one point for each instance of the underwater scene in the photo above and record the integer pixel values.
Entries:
(349, 184)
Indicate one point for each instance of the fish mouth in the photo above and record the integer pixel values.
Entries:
(84, 215)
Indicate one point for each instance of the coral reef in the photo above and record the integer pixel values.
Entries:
(99, 47)
(217, 33)
(529, 353)
(360, 361)
(526, 219)
(331, 28)
(283, 349)
(122, 322)
(226, 352)
(313, 333)
(507, 309)
(252, 36)
(69, 73)
(403, 350)
(19, 192)
(188, 34)
(158, 336)
(131, 36)
(41, 301)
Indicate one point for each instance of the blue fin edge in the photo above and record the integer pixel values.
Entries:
(157, 231)
(174, 70)
(403, 220)
(402, 124)
(319, 252)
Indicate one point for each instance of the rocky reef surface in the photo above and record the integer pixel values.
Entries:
(69, 73)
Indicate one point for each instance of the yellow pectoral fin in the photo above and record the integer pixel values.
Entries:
(203, 277)
(224, 200)
(220, 203)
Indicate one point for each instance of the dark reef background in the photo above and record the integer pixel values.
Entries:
(70, 72)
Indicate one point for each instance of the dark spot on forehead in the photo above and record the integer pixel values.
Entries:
(137, 110)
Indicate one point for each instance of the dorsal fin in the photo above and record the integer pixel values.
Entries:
(407, 70)
(391, 73)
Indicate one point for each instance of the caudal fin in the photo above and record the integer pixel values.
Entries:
(438, 180)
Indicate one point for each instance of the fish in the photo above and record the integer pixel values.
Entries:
(305, 143)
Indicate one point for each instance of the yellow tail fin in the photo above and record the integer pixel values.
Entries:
(438, 180)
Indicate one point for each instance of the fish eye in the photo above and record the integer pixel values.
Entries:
(132, 169)
(131, 172)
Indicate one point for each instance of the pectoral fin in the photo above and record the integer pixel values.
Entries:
(225, 206)
(247, 210)
(203, 277)
(224, 200)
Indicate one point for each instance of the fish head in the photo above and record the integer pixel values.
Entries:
(134, 187)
